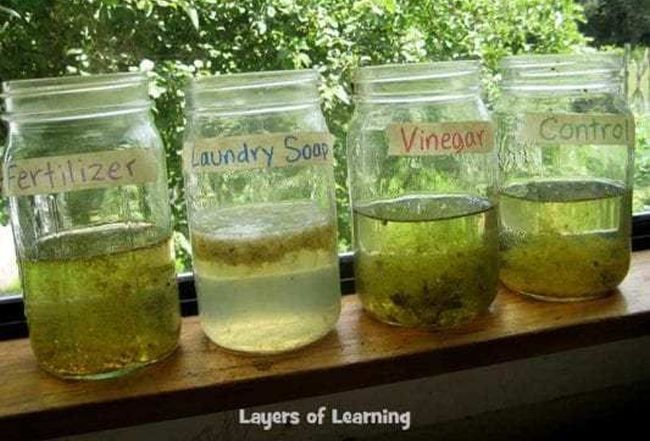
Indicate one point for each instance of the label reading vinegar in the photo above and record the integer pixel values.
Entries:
(83, 171)
(577, 128)
(259, 151)
(417, 139)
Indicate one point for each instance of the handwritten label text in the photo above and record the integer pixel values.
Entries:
(83, 171)
(577, 128)
(259, 151)
(414, 139)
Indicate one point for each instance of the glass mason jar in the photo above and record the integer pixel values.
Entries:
(637, 71)
(566, 140)
(85, 173)
(422, 171)
(259, 184)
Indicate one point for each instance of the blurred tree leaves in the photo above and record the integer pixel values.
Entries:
(177, 39)
(615, 22)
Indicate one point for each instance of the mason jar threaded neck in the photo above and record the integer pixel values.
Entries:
(253, 92)
(418, 81)
(75, 97)
(561, 72)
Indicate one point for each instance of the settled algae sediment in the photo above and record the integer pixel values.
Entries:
(426, 260)
(261, 234)
(564, 239)
(266, 275)
(100, 315)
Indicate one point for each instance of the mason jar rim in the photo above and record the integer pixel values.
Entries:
(398, 72)
(70, 83)
(586, 61)
(418, 82)
(561, 72)
(74, 97)
(251, 80)
(253, 92)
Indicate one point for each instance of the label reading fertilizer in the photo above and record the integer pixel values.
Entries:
(82, 171)
(259, 151)
(416, 139)
(578, 129)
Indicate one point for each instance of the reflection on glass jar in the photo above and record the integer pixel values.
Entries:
(422, 173)
(260, 192)
(638, 96)
(86, 176)
(566, 142)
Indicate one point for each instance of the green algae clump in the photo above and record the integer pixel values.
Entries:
(564, 240)
(566, 267)
(435, 267)
(101, 315)
(260, 234)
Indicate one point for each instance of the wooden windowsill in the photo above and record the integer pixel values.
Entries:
(200, 378)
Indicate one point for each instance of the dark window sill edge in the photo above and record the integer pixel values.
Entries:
(641, 232)
(13, 324)
(641, 243)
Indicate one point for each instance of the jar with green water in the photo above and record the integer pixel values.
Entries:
(565, 138)
(422, 170)
(85, 173)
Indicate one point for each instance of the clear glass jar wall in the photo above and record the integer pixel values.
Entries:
(637, 61)
(565, 139)
(260, 192)
(85, 171)
(422, 172)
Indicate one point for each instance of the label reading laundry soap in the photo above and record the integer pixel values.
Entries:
(418, 139)
(259, 151)
(577, 129)
(82, 171)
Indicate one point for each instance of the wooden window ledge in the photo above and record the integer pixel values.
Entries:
(200, 378)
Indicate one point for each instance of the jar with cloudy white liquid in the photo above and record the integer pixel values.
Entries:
(258, 167)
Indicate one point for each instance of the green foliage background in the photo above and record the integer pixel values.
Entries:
(620, 22)
(616, 22)
(178, 39)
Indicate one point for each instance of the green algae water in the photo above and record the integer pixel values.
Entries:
(564, 240)
(426, 260)
(98, 310)
(266, 275)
